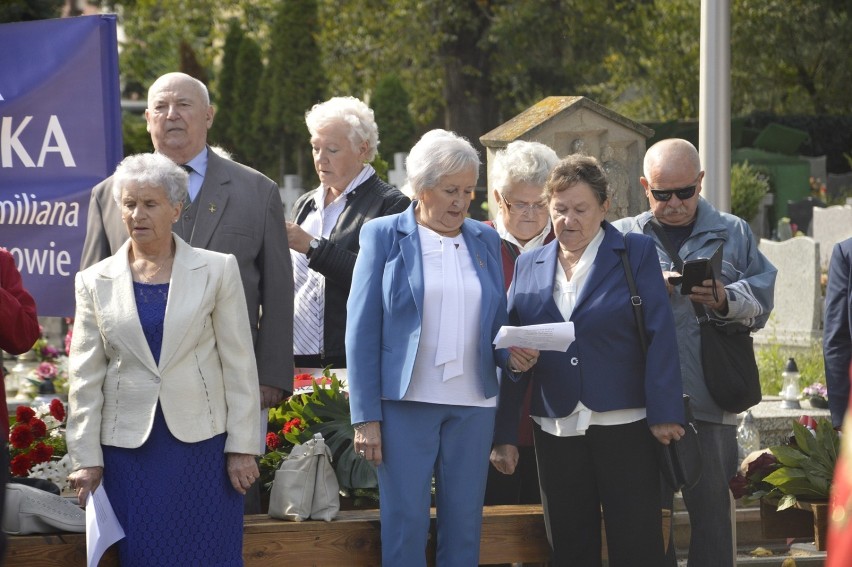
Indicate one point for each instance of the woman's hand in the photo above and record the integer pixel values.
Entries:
(242, 470)
(297, 238)
(368, 442)
(522, 359)
(504, 458)
(84, 481)
(667, 432)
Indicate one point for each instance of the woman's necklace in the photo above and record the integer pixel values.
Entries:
(148, 278)
(447, 233)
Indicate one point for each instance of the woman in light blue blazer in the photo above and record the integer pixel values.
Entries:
(427, 299)
(602, 409)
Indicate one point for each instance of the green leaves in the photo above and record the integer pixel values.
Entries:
(325, 410)
(807, 466)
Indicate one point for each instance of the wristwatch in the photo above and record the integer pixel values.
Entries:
(312, 245)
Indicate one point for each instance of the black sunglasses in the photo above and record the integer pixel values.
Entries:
(683, 193)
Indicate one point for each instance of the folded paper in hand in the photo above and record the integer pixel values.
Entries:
(549, 336)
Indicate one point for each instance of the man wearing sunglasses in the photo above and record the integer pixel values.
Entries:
(743, 293)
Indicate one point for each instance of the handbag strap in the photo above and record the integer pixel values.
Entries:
(635, 298)
(701, 312)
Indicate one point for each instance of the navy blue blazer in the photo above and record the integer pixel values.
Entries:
(837, 329)
(385, 310)
(604, 367)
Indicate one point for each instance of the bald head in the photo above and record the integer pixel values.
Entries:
(178, 116)
(672, 181)
(673, 156)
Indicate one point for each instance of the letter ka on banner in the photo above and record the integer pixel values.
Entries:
(60, 134)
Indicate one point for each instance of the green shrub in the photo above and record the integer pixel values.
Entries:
(748, 186)
(771, 360)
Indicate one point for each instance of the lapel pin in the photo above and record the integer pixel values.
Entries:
(212, 208)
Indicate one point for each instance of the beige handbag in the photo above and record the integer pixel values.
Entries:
(305, 484)
(29, 510)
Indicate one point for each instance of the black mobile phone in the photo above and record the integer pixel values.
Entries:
(699, 269)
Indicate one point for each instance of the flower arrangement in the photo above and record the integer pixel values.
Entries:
(801, 469)
(37, 443)
(321, 408)
(817, 393)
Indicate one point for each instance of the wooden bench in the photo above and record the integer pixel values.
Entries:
(509, 534)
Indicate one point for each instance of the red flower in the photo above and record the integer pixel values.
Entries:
(22, 436)
(302, 378)
(23, 414)
(20, 465)
(739, 485)
(272, 440)
(294, 423)
(57, 409)
(46, 371)
(38, 428)
(808, 422)
(41, 453)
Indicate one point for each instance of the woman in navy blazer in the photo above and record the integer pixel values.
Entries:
(602, 408)
(426, 301)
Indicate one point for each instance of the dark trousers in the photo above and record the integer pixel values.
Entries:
(318, 361)
(614, 468)
(518, 488)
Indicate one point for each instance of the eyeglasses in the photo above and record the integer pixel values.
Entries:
(521, 208)
(683, 193)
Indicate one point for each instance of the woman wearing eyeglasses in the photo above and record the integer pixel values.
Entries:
(517, 177)
(602, 408)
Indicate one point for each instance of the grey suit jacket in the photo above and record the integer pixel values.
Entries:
(205, 380)
(238, 211)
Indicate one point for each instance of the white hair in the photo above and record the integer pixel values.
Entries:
(353, 113)
(522, 162)
(437, 154)
(151, 170)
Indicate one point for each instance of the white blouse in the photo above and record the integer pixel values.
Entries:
(565, 294)
(429, 382)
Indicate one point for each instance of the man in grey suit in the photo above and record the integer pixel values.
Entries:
(233, 209)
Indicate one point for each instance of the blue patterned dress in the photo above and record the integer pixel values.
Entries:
(173, 499)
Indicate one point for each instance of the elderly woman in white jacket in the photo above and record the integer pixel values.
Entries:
(163, 382)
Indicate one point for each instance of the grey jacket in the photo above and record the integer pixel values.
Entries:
(749, 281)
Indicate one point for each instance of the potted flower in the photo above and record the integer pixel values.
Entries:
(817, 395)
(793, 479)
(37, 443)
(323, 408)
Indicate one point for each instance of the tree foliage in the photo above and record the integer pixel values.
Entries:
(29, 10)
(396, 126)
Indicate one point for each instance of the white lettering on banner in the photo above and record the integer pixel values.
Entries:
(34, 261)
(27, 209)
(10, 142)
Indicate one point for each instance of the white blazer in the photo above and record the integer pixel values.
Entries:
(206, 380)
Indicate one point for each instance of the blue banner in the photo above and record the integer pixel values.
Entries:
(60, 134)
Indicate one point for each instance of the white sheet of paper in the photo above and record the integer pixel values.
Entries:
(549, 336)
(102, 527)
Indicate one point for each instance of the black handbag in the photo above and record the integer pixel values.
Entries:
(680, 461)
(727, 352)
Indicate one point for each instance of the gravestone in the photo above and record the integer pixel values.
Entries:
(830, 226)
(576, 124)
(397, 175)
(801, 213)
(797, 316)
(290, 191)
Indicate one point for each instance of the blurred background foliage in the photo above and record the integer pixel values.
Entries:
(465, 65)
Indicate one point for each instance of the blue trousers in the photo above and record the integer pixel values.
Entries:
(451, 442)
(708, 502)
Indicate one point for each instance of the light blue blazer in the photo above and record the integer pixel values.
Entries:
(385, 310)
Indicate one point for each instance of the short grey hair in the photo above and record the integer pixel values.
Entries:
(353, 113)
(151, 170)
(180, 77)
(522, 162)
(437, 154)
